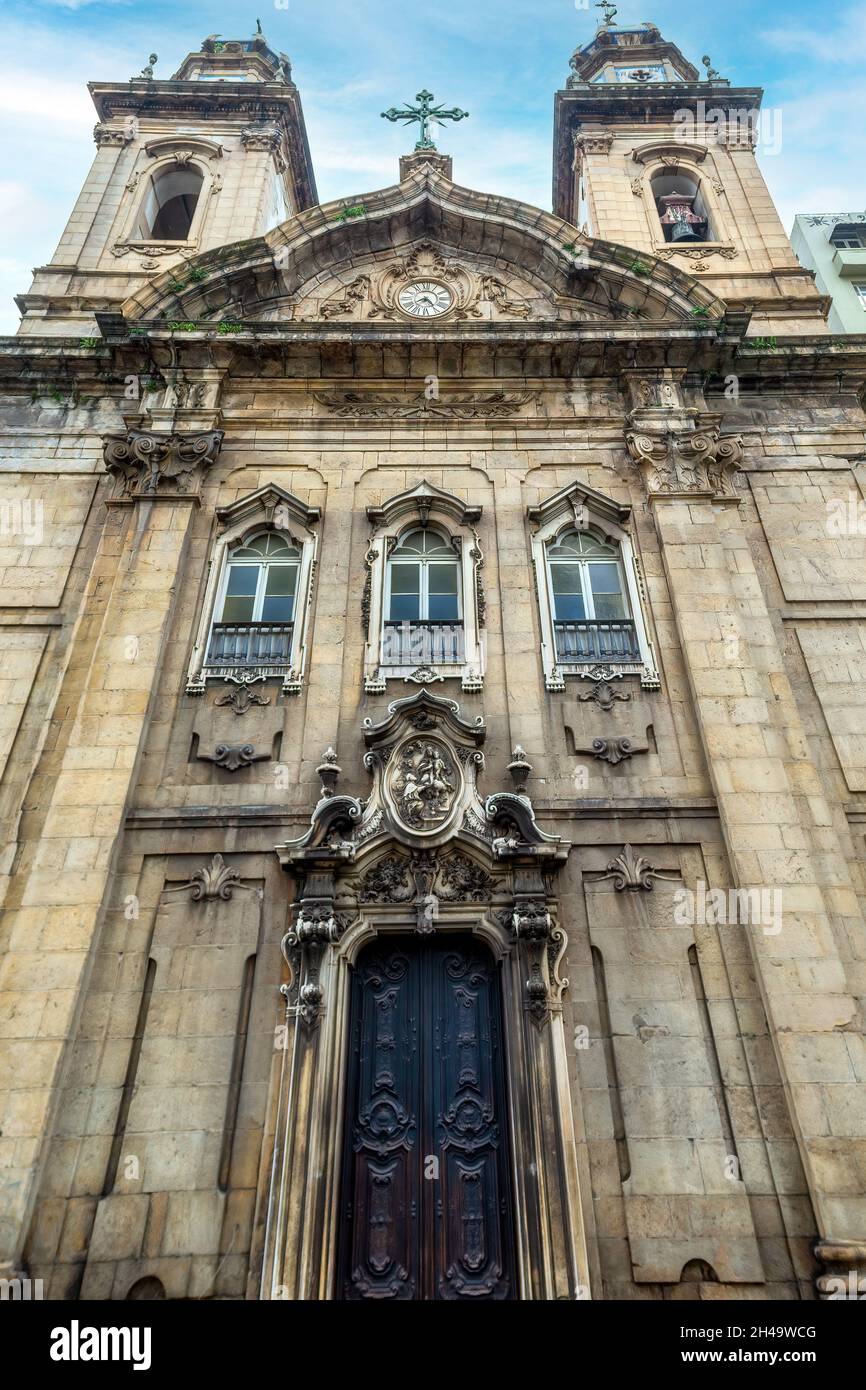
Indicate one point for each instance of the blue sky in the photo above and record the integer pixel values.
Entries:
(501, 59)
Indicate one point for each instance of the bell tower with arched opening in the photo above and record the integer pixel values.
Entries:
(654, 156)
(215, 154)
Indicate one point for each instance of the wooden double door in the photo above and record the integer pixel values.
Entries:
(426, 1206)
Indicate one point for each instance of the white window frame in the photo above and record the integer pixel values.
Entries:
(582, 563)
(268, 509)
(263, 565)
(424, 587)
(577, 508)
(450, 517)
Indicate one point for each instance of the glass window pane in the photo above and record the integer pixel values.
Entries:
(279, 602)
(413, 544)
(443, 607)
(565, 579)
(568, 604)
(237, 610)
(240, 594)
(434, 544)
(443, 579)
(404, 607)
(405, 579)
(607, 591)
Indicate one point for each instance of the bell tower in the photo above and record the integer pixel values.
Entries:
(657, 158)
(215, 154)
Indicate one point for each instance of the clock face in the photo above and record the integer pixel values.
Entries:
(425, 299)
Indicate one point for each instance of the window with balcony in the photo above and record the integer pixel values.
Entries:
(424, 620)
(423, 599)
(860, 291)
(593, 617)
(256, 613)
(591, 620)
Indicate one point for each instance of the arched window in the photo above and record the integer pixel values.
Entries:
(588, 599)
(255, 609)
(680, 206)
(169, 203)
(423, 611)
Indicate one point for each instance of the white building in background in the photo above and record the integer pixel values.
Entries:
(833, 244)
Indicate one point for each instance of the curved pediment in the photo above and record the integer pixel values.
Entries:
(490, 258)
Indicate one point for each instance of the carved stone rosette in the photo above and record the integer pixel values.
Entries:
(146, 464)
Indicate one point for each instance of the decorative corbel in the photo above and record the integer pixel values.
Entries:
(317, 926)
(147, 464)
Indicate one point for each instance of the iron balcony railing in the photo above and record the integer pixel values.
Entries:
(423, 643)
(599, 640)
(250, 644)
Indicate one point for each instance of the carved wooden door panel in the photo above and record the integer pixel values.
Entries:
(425, 1205)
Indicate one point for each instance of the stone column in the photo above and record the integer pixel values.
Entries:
(773, 812)
(67, 861)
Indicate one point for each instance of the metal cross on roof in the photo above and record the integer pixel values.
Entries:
(426, 115)
(609, 11)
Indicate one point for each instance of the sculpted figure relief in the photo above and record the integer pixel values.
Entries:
(424, 784)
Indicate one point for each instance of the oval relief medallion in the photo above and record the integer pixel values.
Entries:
(423, 783)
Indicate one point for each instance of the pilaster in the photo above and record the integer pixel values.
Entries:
(773, 811)
(66, 863)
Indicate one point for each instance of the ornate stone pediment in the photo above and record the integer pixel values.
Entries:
(460, 290)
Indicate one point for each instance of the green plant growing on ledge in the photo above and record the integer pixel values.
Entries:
(175, 326)
(359, 210)
(227, 327)
(638, 268)
(760, 342)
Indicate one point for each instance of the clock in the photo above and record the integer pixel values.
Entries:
(425, 299)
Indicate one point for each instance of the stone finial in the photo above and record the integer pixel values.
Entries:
(329, 771)
(519, 768)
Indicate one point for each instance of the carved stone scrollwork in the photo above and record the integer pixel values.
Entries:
(630, 872)
(612, 750)
(243, 696)
(260, 139)
(466, 405)
(231, 757)
(604, 695)
(316, 927)
(214, 881)
(544, 945)
(375, 294)
(147, 464)
(689, 461)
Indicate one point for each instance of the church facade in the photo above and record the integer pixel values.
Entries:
(433, 776)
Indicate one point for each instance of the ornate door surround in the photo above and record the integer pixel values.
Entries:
(423, 852)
